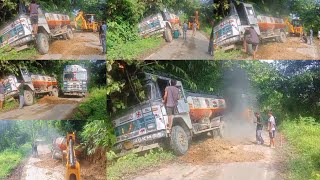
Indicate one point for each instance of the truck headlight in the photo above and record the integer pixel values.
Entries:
(151, 126)
(20, 33)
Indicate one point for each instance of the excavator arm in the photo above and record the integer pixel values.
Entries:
(72, 166)
(80, 16)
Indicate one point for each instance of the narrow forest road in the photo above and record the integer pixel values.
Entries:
(83, 46)
(194, 48)
(47, 108)
(44, 167)
(221, 160)
(40, 168)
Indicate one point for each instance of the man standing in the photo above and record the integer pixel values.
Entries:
(103, 34)
(251, 37)
(311, 36)
(210, 48)
(259, 129)
(185, 28)
(271, 129)
(170, 99)
(21, 94)
(34, 149)
(194, 28)
(2, 91)
(33, 9)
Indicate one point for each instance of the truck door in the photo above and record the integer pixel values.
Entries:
(251, 15)
(183, 106)
(25, 75)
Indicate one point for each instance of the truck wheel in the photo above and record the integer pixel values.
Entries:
(28, 97)
(69, 33)
(55, 92)
(42, 43)
(249, 49)
(282, 37)
(179, 140)
(168, 35)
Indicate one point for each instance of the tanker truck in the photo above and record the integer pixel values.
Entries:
(34, 85)
(161, 24)
(229, 32)
(18, 34)
(75, 79)
(143, 125)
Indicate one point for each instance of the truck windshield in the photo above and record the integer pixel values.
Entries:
(77, 76)
(13, 32)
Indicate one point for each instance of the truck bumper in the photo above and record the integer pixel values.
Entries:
(139, 144)
(22, 41)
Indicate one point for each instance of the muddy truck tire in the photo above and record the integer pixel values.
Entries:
(28, 97)
(69, 33)
(282, 37)
(179, 141)
(42, 43)
(168, 35)
(55, 92)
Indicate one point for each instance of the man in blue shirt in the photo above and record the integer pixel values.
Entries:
(103, 34)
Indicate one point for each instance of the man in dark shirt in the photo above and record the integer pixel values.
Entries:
(170, 99)
(259, 129)
(21, 94)
(251, 37)
(2, 91)
(33, 8)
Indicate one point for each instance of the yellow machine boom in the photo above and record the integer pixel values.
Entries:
(73, 166)
(194, 18)
(294, 27)
(86, 25)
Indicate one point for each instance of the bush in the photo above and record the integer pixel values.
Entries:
(303, 135)
(94, 107)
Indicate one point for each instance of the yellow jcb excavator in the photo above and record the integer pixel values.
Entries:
(294, 27)
(88, 22)
(73, 166)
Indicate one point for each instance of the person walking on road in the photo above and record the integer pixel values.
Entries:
(185, 28)
(259, 128)
(33, 9)
(311, 37)
(170, 99)
(251, 37)
(210, 48)
(21, 94)
(103, 34)
(194, 28)
(34, 149)
(271, 129)
(2, 95)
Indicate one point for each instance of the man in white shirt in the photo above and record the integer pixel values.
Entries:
(271, 129)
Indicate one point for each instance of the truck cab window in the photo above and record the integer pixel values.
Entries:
(242, 14)
(162, 85)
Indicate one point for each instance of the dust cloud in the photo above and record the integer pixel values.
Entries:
(241, 103)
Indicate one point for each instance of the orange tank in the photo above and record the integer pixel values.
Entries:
(56, 20)
(267, 22)
(40, 81)
(205, 107)
(61, 144)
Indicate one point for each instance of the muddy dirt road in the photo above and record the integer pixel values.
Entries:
(292, 49)
(46, 168)
(221, 160)
(83, 46)
(47, 108)
(192, 49)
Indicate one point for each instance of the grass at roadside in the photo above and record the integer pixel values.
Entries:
(132, 163)
(9, 105)
(303, 135)
(134, 49)
(10, 54)
(11, 158)
(230, 55)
